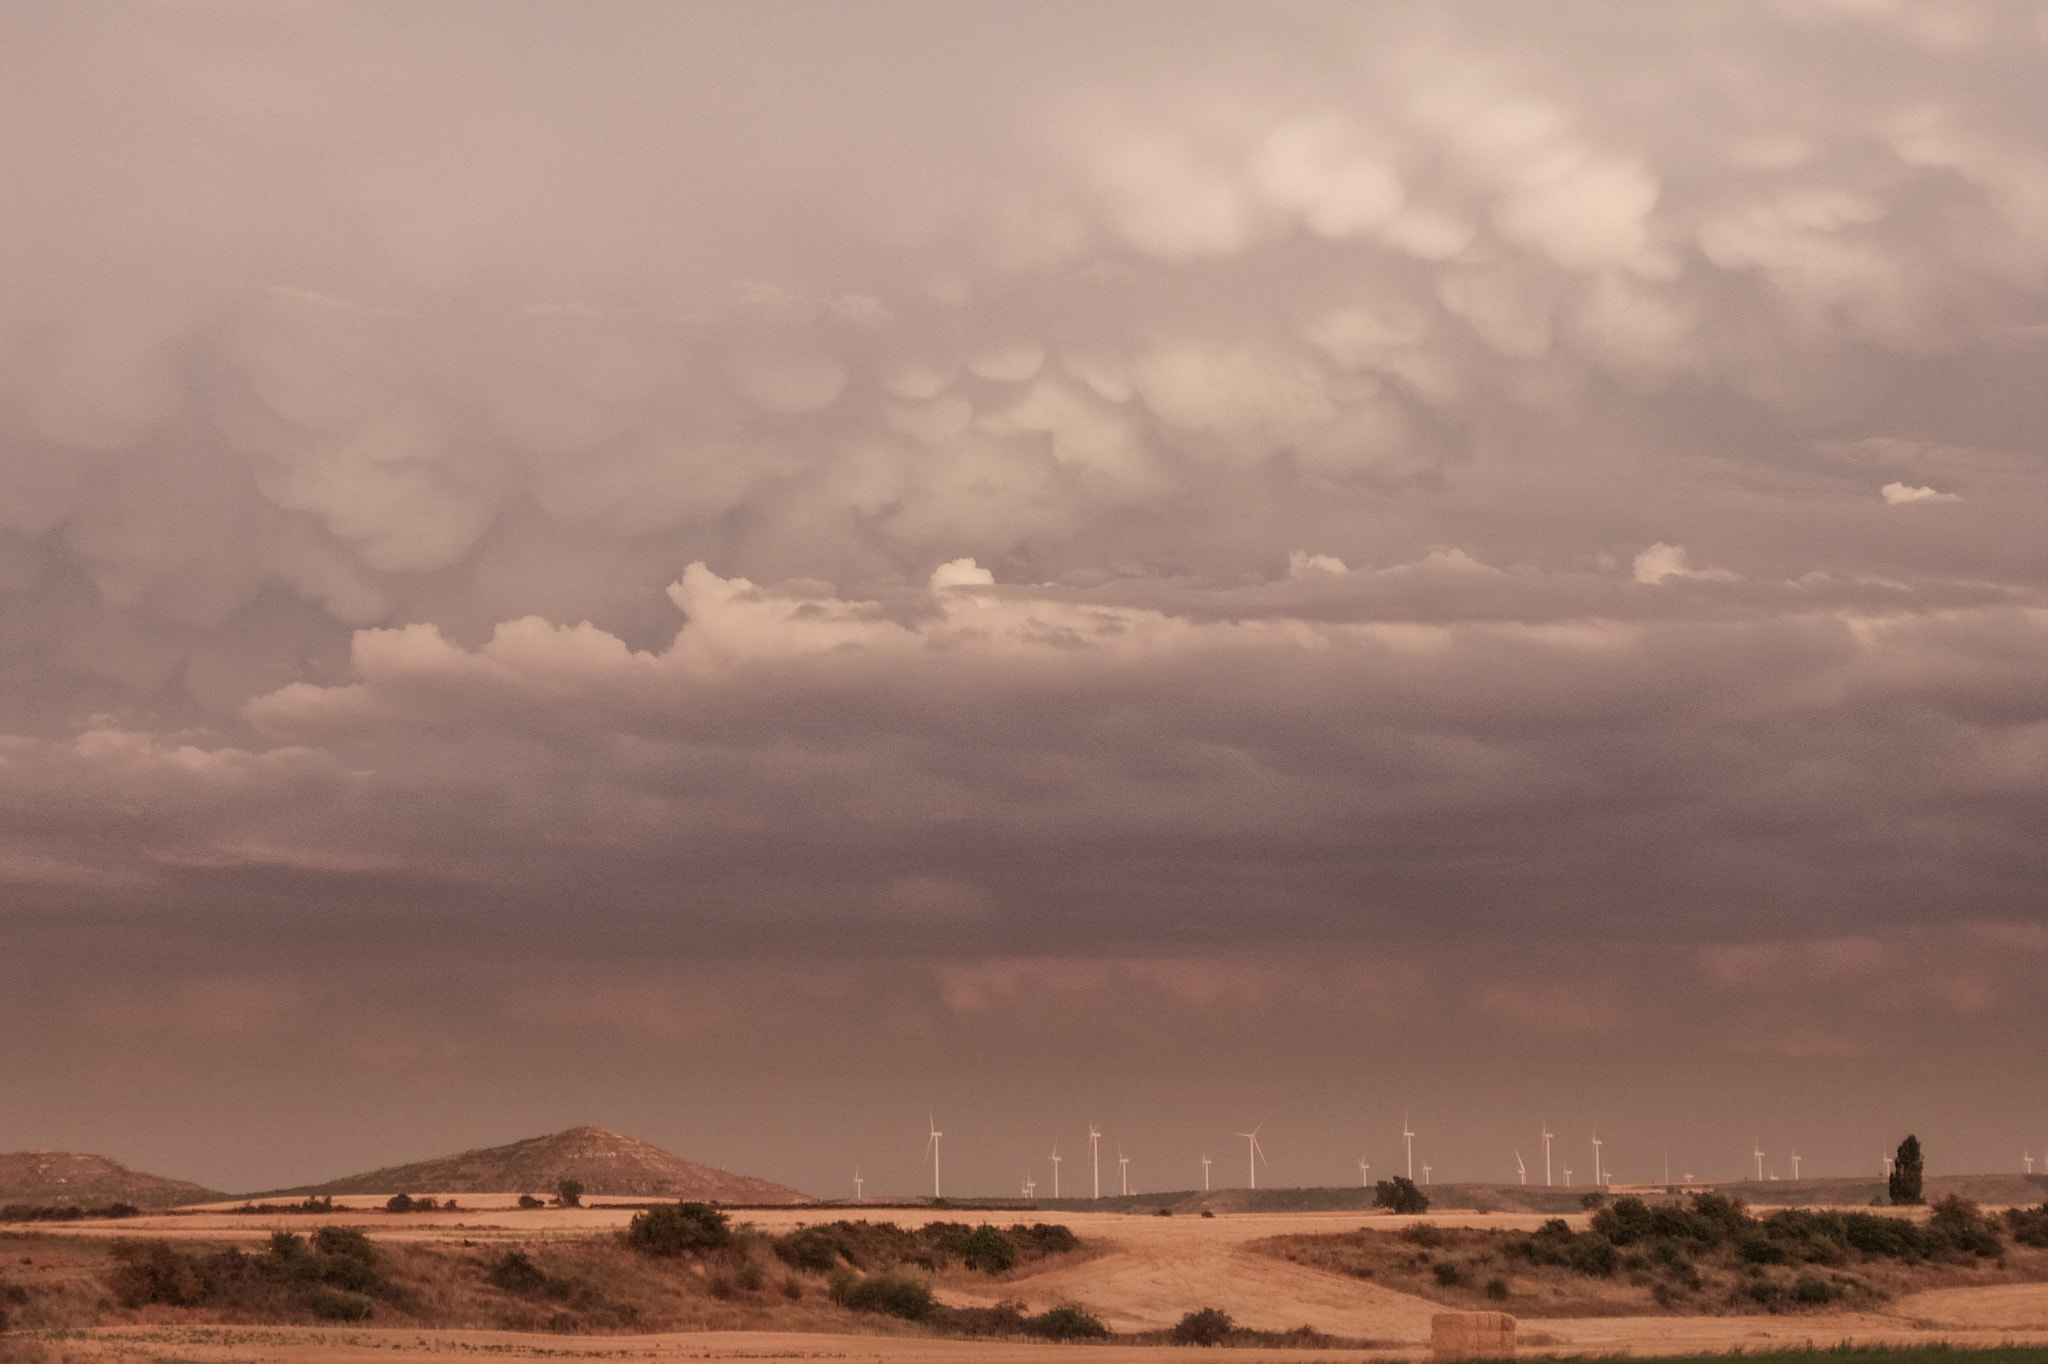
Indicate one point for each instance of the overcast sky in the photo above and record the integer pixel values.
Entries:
(751, 572)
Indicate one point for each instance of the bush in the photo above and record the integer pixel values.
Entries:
(1812, 1291)
(1448, 1275)
(336, 1304)
(679, 1230)
(1960, 1226)
(1400, 1194)
(1206, 1327)
(527, 1200)
(818, 1249)
(1067, 1323)
(2029, 1226)
(517, 1274)
(569, 1193)
(1593, 1202)
(1497, 1289)
(988, 1250)
(1594, 1256)
(890, 1295)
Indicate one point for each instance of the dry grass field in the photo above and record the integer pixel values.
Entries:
(596, 1298)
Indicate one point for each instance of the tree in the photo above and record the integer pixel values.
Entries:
(1907, 1169)
(1210, 1326)
(679, 1230)
(569, 1192)
(1400, 1194)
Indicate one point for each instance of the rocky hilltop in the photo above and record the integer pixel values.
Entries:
(606, 1164)
(53, 1178)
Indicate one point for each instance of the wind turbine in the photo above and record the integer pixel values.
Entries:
(1596, 1162)
(1252, 1154)
(1759, 1163)
(1408, 1136)
(1547, 1134)
(1567, 1176)
(1795, 1165)
(1365, 1173)
(932, 1149)
(1095, 1156)
(1887, 1167)
(1123, 1171)
(856, 1184)
(1205, 1172)
(1030, 1185)
(2028, 1157)
(1056, 1169)
(1520, 1168)
(1425, 1173)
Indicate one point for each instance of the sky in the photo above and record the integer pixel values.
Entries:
(765, 574)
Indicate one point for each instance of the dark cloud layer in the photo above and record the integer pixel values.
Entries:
(1165, 560)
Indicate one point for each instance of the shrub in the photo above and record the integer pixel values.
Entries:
(569, 1193)
(2029, 1226)
(1067, 1323)
(1811, 1290)
(1594, 1256)
(527, 1200)
(1400, 1194)
(1448, 1275)
(1209, 1326)
(152, 1272)
(1959, 1225)
(398, 1203)
(1593, 1202)
(892, 1295)
(1625, 1221)
(1497, 1289)
(988, 1250)
(818, 1249)
(1760, 1250)
(337, 1304)
(679, 1230)
(517, 1275)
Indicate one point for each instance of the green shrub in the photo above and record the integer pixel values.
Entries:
(679, 1230)
(988, 1250)
(1960, 1226)
(2029, 1226)
(1067, 1323)
(1497, 1289)
(1209, 1326)
(892, 1295)
(1594, 1256)
(1448, 1275)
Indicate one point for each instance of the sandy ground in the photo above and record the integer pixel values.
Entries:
(1154, 1270)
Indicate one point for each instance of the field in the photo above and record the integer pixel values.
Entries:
(577, 1291)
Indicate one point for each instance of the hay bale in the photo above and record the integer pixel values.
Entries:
(1471, 1335)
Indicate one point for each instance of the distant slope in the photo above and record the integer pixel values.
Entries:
(68, 1177)
(604, 1162)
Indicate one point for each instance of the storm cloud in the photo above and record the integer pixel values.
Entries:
(1180, 558)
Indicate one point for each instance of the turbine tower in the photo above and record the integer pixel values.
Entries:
(1408, 1136)
(2028, 1157)
(1205, 1172)
(1252, 1154)
(856, 1184)
(1123, 1171)
(1095, 1156)
(1425, 1172)
(932, 1149)
(1795, 1165)
(1056, 1169)
(1365, 1173)
(1547, 1135)
(1567, 1176)
(1759, 1162)
(1596, 1162)
(1030, 1185)
(1520, 1168)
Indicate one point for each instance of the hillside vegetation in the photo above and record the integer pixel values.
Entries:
(1707, 1255)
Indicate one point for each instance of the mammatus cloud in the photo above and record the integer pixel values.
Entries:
(1034, 500)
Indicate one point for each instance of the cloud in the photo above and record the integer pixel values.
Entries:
(1900, 494)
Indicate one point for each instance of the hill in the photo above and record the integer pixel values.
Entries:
(606, 1164)
(54, 1178)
